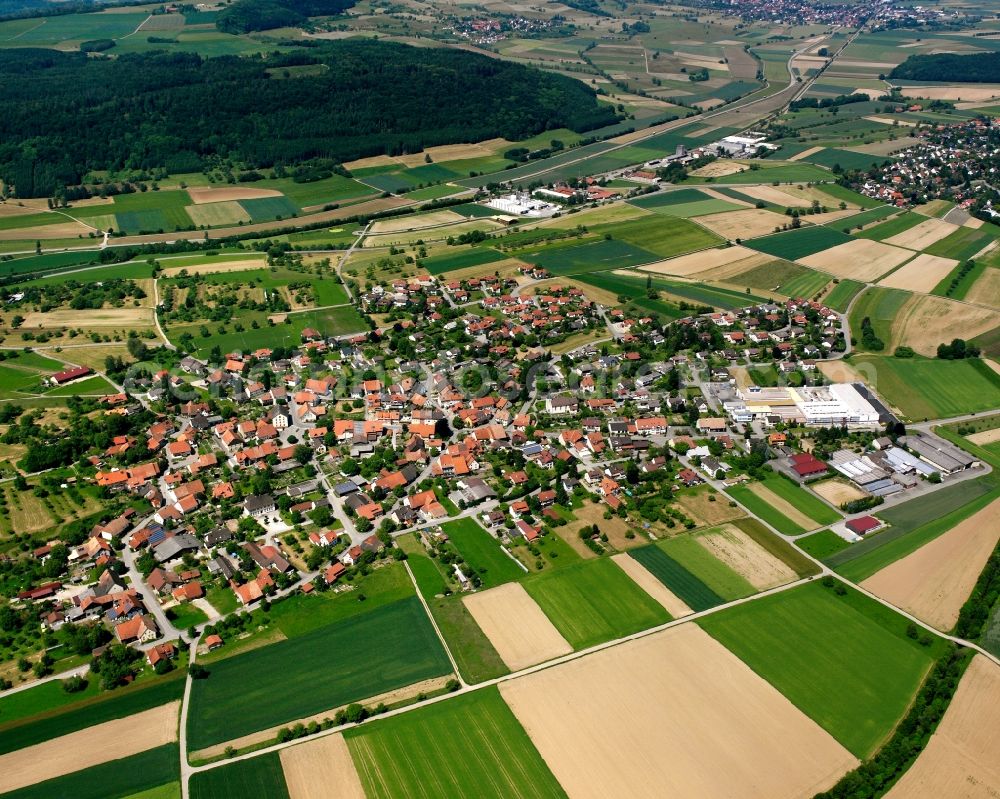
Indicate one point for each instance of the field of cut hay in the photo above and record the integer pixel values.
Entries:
(921, 274)
(516, 626)
(960, 760)
(837, 491)
(215, 214)
(720, 263)
(400, 224)
(743, 224)
(216, 267)
(673, 604)
(104, 317)
(313, 768)
(792, 196)
(746, 557)
(923, 235)
(926, 321)
(718, 169)
(100, 743)
(962, 91)
(60, 230)
(986, 289)
(859, 259)
(199, 196)
(934, 582)
(719, 712)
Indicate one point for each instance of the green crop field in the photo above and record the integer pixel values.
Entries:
(78, 27)
(664, 198)
(482, 552)
(864, 218)
(696, 559)
(370, 654)
(318, 192)
(822, 544)
(963, 280)
(267, 208)
(635, 289)
(889, 228)
(761, 508)
(594, 601)
(692, 591)
(115, 779)
(257, 776)
(929, 388)
(799, 243)
(594, 256)
(461, 259)
(795, 172)
(846, 159)
(805, 285)
(41, 698)
(684, 203)
(882, 307)
(845, 661)
(963, 243)
(785, 277)
(842, 293)
(466, 745)
(51, 722)
(662, 236)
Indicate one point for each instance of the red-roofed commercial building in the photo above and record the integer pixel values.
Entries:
(863, 525)
(807, 465)
(70, 374)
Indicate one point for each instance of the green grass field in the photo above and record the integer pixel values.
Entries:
(963, 243)
(461, 259)
(793, 172)
(799, 243)
(23, 728)
(482, 552)
(822, 544)
(846, 159)
(697, 560)
(842, 293)
(593, 256)
(319, 192)
(115, 779)
(763, 509)
(928, 388)
(684, 203)
(268, 208)
(665, 237)
(889, 228)
(811, 505)
(845, 661)
(467, 745)
(882, 307)
(258, 776)
(594, 601)
(369, 654)
(42, 698)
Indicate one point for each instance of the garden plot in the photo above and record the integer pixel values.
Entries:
(960, 759)
(518, 629)
(934, 582)
(923, 235)
(714, 264)
(743, 224)
(859, 259)
(921, 274)
(100, 743)
(673, 604)
(656, 736)
(746, 557)
(312, 768)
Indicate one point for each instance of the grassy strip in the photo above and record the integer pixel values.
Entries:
(692, 591)
(975, 613)
(778, 547)
(963, 280)
(759, 507)
(822, 544)
(104, 707)
(257, 776)
(874, 778)
(112, 780)
(810, 505)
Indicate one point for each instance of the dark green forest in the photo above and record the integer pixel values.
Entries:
(950, 67)
(245, 16)
(181, 112)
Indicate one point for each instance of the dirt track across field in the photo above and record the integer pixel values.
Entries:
(961, 759)
(518, 629)
(321, 769)
(110, 740)
(674, 714)
(934, 582)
